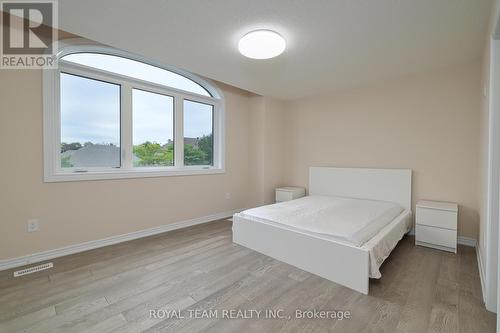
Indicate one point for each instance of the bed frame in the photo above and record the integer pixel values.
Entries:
(344, 264)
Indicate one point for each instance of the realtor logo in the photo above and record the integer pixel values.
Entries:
(29, 33)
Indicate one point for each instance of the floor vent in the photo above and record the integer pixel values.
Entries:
(33, 269)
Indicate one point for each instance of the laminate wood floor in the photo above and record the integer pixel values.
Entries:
(113, 289)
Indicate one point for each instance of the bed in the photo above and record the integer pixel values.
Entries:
(372, 212)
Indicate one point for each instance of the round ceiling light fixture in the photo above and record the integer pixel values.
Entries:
(262, 44)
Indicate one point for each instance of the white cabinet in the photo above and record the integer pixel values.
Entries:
(436, 225)
(289, 193)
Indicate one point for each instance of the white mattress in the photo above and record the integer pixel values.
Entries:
(353, 221)
(379, 246)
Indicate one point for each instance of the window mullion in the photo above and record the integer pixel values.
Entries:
(126, 126)
(56, 129)
(179, 131)
(216, 129)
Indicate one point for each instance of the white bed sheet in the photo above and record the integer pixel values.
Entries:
(354, 221)
(382, 244)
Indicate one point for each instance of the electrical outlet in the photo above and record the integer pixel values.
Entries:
(33, 225)
(228, 196)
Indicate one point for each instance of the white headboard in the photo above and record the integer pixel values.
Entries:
(392, 185)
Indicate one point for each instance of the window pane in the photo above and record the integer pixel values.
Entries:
(198, 133)
(153, 123)
(90, 123)
(136, 69)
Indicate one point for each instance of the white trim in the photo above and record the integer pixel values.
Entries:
(496, 93)
(480, 267)
(467, 241)
(139, 173)
(179, 132)
(76, 248)
(126, 129)
(51, 115)
(90, 72)
(493, 177)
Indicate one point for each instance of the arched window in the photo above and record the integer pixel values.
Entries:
(111, 114)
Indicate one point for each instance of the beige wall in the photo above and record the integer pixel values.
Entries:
(428, 123)
(267, 146)
(274, 146)
(75, 212)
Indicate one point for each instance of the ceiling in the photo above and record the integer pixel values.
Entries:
(332, 44)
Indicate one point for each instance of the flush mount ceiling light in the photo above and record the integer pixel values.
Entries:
(262, 44)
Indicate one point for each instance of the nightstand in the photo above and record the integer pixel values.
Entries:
(289, 193)
(436, 225)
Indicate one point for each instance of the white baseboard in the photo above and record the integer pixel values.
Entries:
(71, 249)
(467, 241)
(481, 272)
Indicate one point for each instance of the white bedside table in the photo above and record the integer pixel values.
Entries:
(289, 193)
(436, 225)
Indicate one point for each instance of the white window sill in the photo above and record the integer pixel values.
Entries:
(124, 174)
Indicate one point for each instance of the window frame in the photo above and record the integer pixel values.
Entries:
(53, 172)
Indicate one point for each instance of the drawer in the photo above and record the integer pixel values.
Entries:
(283, 196)
(289, 193)
(436, 236)
(437, 218)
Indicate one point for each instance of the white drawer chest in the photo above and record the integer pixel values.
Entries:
(289, 193)
(436, 225)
